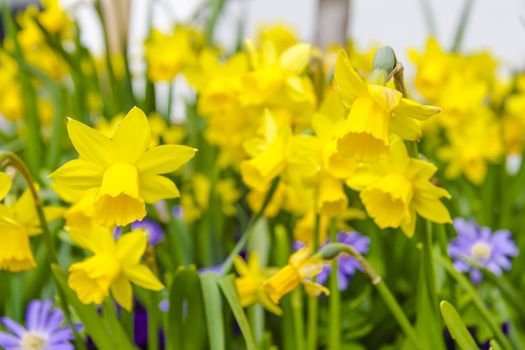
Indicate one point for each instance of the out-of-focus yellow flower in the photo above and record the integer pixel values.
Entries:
(112, 267)
(398, 188)
(250, 285)
(124, 169)
(432, 68)
(169, 54)
(375, 112)
(53, 18)
(472, 145)
(301, 266)
(277, 152)
(18, 222)
(292, 197)
(229, 195)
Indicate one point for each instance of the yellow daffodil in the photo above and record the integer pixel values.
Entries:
(375, 112)
(301, 266)
(113, 267)
(168, 54)
(473, 145)
(398, 188)
(277, 152)
(123, 169)
(250, 283)
(18, 222)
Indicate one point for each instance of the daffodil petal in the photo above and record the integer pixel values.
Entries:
(132, 136)
(164, 159)
(295, 59)
(78, 174)
(143, 277)
(153, 188)
(98, 240)
(91, 145)
(5, 184)
(432, 210)
(347, 82)
(130, 247)
(405, 127)
(411, 109)
(122, 292)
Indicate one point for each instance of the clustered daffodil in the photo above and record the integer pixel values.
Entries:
(113, 267)
(123, 169)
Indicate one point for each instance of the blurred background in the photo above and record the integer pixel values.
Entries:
(495, 25)
(498, 26)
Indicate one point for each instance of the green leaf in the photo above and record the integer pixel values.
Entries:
(456, 327)
(93, 323)
(185, 332)
(227, 285)
(213, 310)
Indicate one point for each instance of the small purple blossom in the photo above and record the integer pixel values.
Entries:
(153, 230)
(177, 211)
(492, 250)
(348, 265)
(43, 331)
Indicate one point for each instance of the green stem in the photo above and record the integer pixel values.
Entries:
(34, 141)
(428, 266)
(171, 90)
(334, 328)
(313, 301)
(478, 302)
(227, 265)
(297, 307)
(462, 25)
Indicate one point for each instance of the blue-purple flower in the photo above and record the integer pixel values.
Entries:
(43, 331)
(480, 245)
(153, 230)
(347, 265)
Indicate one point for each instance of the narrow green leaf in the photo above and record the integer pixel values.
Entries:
(227, 285)
(213, 310)
(92, 322)
(456, 327)
(185, 299)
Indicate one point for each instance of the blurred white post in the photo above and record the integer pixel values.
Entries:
(332, 22)
(117, 14)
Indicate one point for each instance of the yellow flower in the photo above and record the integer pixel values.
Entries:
(18, 222)
(375, 112)
(278, 152)
(53, 18)
(250, 283)
(473, 144)
(112, 267)
(394, 190)
(168, 54)
(123, 169)
(300, 267)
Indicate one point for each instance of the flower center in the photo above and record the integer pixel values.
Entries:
(481, 250)
(33, 341)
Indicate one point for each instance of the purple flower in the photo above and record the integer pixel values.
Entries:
(347, 265)
(153, 230)
(44, 330)
(482, 246)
